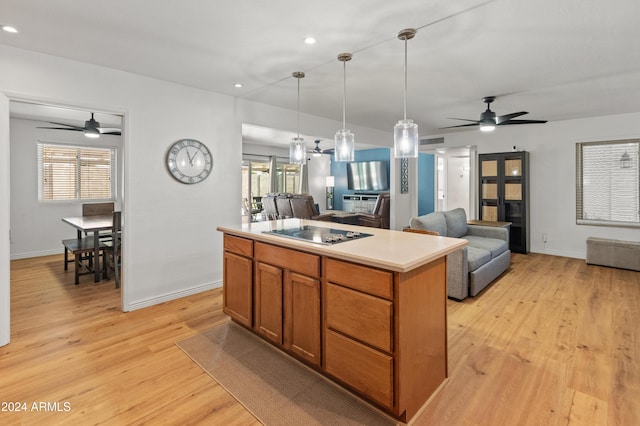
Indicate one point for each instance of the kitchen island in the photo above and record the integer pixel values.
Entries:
(366, 309)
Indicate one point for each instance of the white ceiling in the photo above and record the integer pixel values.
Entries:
(557, 59)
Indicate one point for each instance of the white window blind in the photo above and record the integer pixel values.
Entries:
(67, 172)
(608, 183)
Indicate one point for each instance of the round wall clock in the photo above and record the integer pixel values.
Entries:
(189, 161)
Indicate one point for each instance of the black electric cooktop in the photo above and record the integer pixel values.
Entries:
(317, 234)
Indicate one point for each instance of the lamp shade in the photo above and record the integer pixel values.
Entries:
(345, 145)
(297, 151)
(405, 139)
(331, 181)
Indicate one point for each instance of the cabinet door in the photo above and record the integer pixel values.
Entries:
(490, 188)
(302, 316)
(268, 302)
(238, 275)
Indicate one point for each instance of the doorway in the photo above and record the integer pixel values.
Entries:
(25, 116)
(454, 179)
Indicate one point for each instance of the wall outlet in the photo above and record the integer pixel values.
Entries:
(545, 237)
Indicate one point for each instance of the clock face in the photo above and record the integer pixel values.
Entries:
(189, 161)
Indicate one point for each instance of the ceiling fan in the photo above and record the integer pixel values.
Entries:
(317, 151)
(91, 128)
(489, 120)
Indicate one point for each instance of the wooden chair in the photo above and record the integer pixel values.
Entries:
(97, 209)
(75, 248)
(113, 249)
(82, 250)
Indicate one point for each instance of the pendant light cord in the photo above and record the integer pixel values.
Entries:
(344, 95)
(298, 110)
(405, 78)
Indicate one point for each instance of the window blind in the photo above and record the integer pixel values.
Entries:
(608, 183)
(67, 172)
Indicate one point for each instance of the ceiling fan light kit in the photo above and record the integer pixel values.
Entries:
(297, 147)
(345, 140)
(405, 133)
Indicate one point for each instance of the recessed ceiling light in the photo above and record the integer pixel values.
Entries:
(238, 85)
(9, 29)
(310, 40)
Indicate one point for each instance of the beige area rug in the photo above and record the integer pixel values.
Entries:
(275, 388)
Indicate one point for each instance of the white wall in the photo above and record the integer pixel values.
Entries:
(171, 246)
(36, 228)
(5, 288)
(553, 169)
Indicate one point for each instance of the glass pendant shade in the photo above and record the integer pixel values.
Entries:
(345, 145)
(345, 141)
(405, 133)
(405, 139)
(297, 147)
(297, 151)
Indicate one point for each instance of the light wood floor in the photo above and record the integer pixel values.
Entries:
(554, 341)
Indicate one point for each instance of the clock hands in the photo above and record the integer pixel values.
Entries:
(190, 157)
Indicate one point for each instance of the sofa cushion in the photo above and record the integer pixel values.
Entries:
(493, 245)
(476, 257)
(456, 220)
(431, 222)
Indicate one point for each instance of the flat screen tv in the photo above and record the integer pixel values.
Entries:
(367, 176)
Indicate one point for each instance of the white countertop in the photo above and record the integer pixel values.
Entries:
(393, 250)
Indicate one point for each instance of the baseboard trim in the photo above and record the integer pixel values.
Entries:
(172, 296)
(561, 253)
(36, 254)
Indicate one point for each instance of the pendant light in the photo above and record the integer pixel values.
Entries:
(405, 132)
(345, 140)
(297, 147)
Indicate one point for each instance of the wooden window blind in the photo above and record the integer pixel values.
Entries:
(67, 172)
(608, 183)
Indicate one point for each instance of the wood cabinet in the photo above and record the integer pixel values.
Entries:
(238, 279)
(504, 194)
(379, 333)
(287, 299)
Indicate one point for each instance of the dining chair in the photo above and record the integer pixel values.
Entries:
(98, 209)
(113, 249)
(77, 247)
(82, 250)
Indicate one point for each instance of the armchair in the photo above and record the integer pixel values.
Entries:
(379, 218)
(304, 207)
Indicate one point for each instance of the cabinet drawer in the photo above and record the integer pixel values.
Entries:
(238, 245)
(364, 317)
(363, 368)
(293, 260)
(370, 280)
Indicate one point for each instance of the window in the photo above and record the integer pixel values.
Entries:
(68, 172)
(608, 183)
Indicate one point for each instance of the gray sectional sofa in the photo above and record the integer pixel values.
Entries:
(474, 267)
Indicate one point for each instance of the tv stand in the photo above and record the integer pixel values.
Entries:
(359, 202)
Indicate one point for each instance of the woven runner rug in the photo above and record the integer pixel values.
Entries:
(274, 387)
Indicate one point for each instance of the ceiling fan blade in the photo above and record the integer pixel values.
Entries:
(464, 119)
(461, 125)
(68, 125)
(111, 133)
(507, 117)
(108, 129)
(63, 128)
(521, 122)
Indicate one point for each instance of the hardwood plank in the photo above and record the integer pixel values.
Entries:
(522, 352)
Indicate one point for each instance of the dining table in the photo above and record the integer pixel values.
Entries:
(92, 225)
